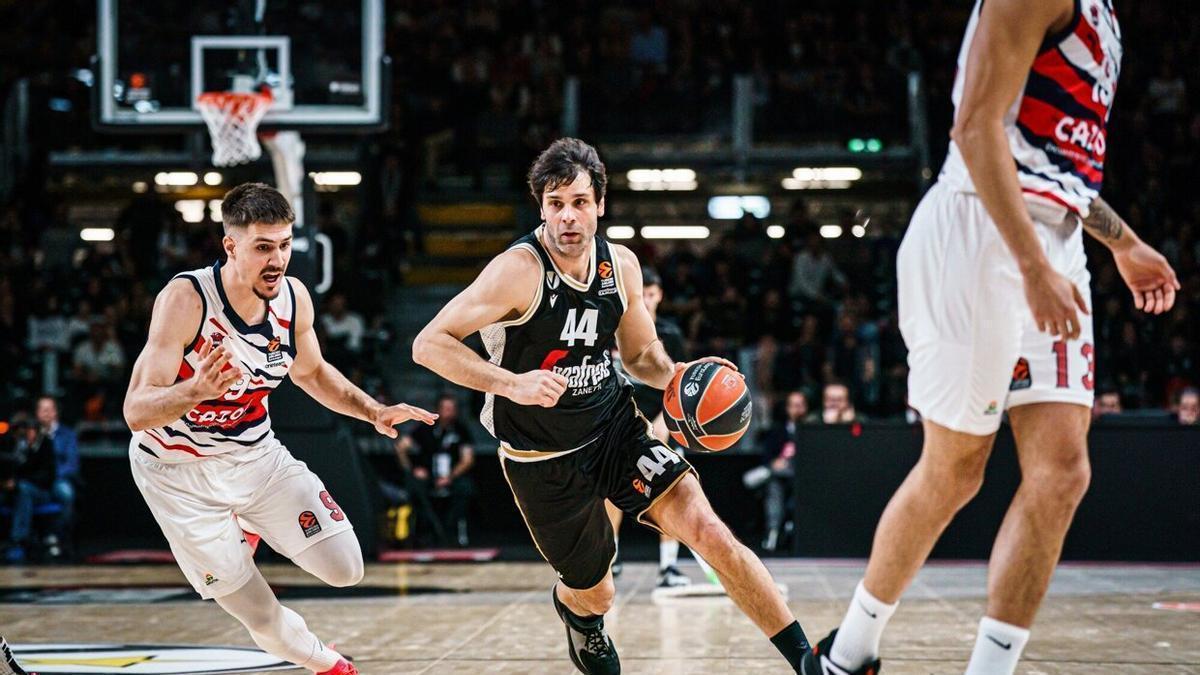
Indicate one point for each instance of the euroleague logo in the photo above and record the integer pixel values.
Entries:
(107, 659)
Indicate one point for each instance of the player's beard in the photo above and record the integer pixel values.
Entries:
(574, 249)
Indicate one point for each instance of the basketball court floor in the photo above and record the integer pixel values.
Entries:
(497, 618)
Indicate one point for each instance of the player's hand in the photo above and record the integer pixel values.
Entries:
(387, 418)
(1149, 277)
(1053, 299)
(538, 387)
(442, 482)
(708, 359)
(420, 473)
(214, 375)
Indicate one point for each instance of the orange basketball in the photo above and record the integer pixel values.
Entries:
(707, 407)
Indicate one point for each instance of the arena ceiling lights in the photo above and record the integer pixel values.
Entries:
(658, 232)
(656, 180)
(733, 207)
(336, 178)
(822, 178)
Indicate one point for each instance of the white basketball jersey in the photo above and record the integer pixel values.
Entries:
(1056, 126)
(264, 352)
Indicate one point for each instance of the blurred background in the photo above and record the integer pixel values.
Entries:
(764, 158)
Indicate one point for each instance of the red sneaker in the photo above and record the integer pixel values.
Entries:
(343, 667)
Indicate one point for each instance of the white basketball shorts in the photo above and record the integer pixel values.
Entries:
(204, 505)
(973, 348)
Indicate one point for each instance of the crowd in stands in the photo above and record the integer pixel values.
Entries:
(74, 315)
(484, 80)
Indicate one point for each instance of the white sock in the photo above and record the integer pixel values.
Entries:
(668, 553)
(997, 648)
(858, 638)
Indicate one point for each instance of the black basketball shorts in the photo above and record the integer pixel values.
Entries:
(562, 499)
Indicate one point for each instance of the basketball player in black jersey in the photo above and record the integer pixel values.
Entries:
(550, 309)
(650, 403)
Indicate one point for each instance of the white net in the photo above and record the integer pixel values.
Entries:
(232, 120)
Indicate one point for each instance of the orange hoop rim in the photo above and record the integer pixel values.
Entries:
(223, 98)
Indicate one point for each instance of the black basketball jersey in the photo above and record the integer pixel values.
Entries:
(569, 328)
(647, 398)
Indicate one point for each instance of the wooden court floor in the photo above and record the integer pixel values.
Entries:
(497, 618)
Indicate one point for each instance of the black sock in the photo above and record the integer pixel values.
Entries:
(792, 643)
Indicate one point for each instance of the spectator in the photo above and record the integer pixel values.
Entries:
(67, 476)
(812, 271)
(99, 359)
(1108, 402)
(1188, 410)
(778, 447)
(836, 405)
(33, 482)
(344, 330)
(437, 459)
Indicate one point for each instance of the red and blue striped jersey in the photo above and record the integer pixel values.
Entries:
(1056, 127)
(264, 352)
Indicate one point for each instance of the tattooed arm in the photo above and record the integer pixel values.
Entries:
(1146, 272)
(1107, 227)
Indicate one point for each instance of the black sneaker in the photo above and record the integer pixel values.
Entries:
(817, 662)
(8, 663)
(591, 649)
(671, 577)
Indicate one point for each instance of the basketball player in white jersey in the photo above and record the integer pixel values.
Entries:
(995, 311)
(203, 453)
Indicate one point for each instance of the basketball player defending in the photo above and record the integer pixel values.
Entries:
(550, 309)
(650, 403)
(992, 273)
(203, 453)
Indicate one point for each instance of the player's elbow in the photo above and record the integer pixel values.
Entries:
(970, 129)
(132, 419)
(423, 348)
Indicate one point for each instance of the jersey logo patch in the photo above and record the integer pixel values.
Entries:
(309, 523)
(553, 299)
(274, 356)
(551, 280)
(605, 269)
(1021, 377)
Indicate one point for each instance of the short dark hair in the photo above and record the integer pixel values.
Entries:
(650, 277)
(561, 162)
(255, 203)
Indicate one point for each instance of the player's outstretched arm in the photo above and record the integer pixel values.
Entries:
(320, 380)
(503, 291)
(1004, 47)
(642, 353)
(1146, 272)
(154, 398)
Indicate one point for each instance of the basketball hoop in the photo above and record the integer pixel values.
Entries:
(232, 119)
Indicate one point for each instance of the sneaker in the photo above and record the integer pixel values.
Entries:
(8, 662)
(343, 667)
(671, 577)
(817, 661)
(590, 648)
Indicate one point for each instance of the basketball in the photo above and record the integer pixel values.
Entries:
(707, 407)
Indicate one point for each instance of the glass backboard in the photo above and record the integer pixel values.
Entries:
(323, 61)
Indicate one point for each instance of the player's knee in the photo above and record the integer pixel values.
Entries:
(348, 571)
(599, 598)
(956, 479)
(713, 537)
(260, 618)
(1064, 480)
